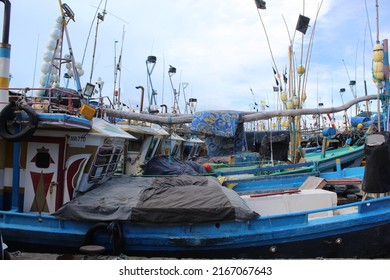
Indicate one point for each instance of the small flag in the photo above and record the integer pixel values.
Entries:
(285, 78)
(275, 76)
(302, 24)
(260, 4)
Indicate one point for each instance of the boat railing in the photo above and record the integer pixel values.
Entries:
(49, 100)
(58, 100)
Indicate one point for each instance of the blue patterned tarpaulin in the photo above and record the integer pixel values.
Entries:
(222, 123)
(225, 135)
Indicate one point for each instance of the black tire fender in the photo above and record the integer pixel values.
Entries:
(8, 113)
(112, 228)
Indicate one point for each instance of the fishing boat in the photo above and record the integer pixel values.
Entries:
(350, 176)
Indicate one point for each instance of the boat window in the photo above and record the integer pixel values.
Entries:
(197, 151)
(187, 151)
(152, 147)
(42, 160)
(134, 145)
(175, 150)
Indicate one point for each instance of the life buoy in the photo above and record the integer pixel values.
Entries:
(8, 114)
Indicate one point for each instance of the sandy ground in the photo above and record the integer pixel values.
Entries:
(45, 256)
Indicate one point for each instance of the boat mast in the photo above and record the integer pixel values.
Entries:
(100, 18)
(381, 74)
(118, 67)
(150, 64)
(5, 54)
(176, 94)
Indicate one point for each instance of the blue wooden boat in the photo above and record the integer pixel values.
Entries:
(242, 181)
(329, 231)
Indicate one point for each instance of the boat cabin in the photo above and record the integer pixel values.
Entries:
(65, 156)
(146, 144)
(192, 148)
(172, 146)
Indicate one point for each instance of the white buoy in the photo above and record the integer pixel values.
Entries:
(51, 44)
(59, 19)
(45, 67)
(55, 34)
(48, 56)
(43, 79)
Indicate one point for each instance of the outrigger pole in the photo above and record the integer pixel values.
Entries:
(170, 119)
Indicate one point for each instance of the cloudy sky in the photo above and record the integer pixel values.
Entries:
(218, 47)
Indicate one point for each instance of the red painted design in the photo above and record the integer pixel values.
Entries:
(41, 184)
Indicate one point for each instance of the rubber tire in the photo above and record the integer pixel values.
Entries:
(8, 113)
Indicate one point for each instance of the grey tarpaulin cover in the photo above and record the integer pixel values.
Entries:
(181, 199)
(163, 165)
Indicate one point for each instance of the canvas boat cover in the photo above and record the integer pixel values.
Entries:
(159, 200)
(164, 165)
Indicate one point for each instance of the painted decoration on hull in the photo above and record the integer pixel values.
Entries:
(43, 182)
(75, 166)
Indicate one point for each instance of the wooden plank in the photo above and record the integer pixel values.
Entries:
(313, 182)
(344, 181)
(274, 193)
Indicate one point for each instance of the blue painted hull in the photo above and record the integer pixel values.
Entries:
(290, 181)
(362, 234)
